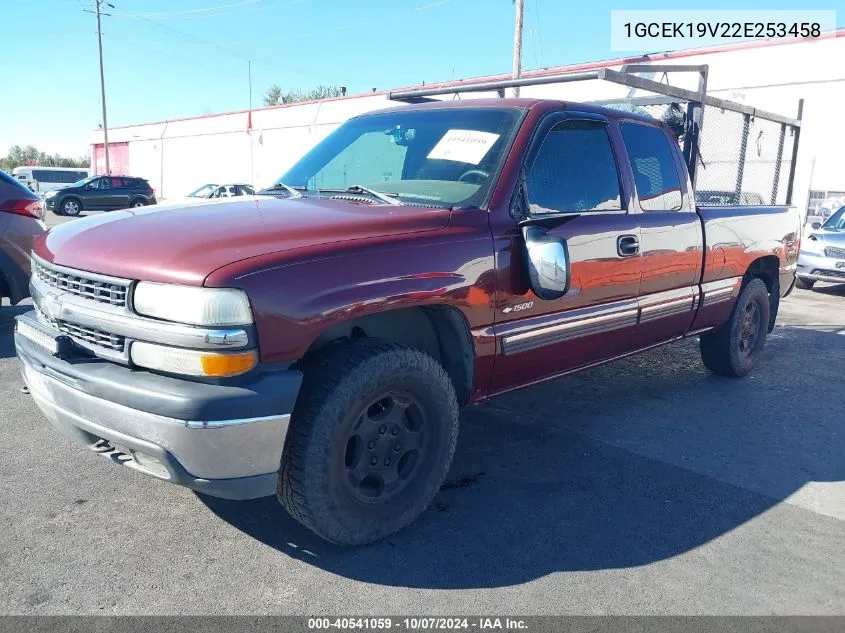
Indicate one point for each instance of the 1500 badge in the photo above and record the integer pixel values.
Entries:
(519, 307)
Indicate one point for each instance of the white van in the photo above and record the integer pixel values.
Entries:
(41, 179)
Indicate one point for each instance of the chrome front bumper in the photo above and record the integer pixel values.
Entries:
(821, 268)
(234, 459)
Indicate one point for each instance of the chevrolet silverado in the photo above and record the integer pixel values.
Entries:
(318, 343)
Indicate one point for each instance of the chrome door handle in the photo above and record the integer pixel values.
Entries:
(627, 245)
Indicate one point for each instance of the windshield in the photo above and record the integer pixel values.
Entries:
(836, 221)
(82, 182)
(442, 157)
(202, 192)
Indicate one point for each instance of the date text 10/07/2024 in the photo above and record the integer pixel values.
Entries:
(418, 624)
(694, 30)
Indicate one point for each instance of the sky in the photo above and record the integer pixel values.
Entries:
(167, 59)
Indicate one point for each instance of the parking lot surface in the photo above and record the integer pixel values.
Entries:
(643, 486)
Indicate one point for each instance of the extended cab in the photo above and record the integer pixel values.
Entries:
(318, 344)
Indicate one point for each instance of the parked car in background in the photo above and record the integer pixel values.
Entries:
(211, 191)
(232, 191)
(44, 179)
(203, 192)
(822, 256)
(100, 193)
(745, 198)
(829, 206)
(222, 191)
(21, 221)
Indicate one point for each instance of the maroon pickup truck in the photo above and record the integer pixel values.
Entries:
(318, 342)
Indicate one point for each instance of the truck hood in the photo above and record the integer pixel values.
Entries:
(186, 244)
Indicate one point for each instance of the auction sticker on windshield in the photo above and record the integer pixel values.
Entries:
(463, 146)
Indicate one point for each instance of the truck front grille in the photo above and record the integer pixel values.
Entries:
(90, 335)
(80, 284)
(833, 251)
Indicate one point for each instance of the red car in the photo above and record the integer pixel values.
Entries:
(21, 221)
(318, 345)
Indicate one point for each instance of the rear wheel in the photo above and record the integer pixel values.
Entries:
(137, 203)
(71, 207)
(805, 284)
(370, 443)
(734, 348)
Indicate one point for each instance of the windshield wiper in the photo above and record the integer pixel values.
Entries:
(280, 185)
(376, 194)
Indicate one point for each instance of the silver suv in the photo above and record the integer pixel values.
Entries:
(822, 256)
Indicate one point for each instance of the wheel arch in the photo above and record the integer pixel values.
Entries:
(439, 330)
(767, 269)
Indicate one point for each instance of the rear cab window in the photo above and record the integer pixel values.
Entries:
(656, 178)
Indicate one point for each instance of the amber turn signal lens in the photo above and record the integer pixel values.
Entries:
(227, 364)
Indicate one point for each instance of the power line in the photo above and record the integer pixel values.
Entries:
(161, 14)
(349, 25)
(146, 45)
(220, 10)
(538, 20)
(225, 49)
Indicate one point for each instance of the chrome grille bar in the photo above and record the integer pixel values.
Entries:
(79, 284)
(92, 335)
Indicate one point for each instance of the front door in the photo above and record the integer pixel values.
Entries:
(573, 186)
(96, 193)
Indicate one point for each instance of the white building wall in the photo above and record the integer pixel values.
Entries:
(180, 155)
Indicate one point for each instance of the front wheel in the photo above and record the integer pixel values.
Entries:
(372, 436)
(805, 284)
(734, 348)
(71, 207)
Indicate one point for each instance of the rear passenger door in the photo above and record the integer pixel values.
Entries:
(671, 237)
(575, 188)
(121, 193)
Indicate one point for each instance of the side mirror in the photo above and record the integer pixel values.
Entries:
(547, 260)
(816, 225)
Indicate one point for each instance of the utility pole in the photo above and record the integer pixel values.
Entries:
(517, 43)
(249, 72)
(98, 5)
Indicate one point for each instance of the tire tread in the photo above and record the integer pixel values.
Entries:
(331, 377)
(718, 347)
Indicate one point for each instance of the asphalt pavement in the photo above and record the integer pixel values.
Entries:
(645, 486)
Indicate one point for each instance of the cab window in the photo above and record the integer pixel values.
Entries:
(655, 174)
(575, 171)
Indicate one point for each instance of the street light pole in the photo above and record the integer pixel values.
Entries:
(98, 4)
(517, 43)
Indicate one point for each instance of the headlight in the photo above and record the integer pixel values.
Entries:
(192, 305)
(190, 362)
(51, 193)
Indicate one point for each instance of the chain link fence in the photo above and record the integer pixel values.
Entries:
(742, 159)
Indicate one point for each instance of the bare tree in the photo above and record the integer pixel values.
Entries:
(275, 96)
